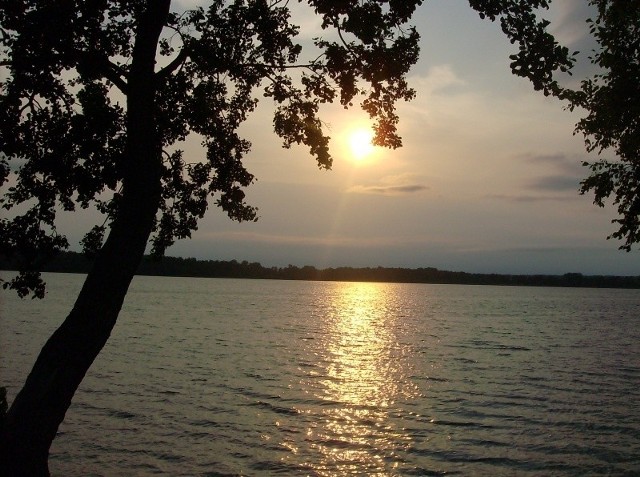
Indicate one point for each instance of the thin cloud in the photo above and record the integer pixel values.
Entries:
(401, 184)
(340, 241)
(528, 198)
(437, 79)
(567, 172)
(547, 158)
(534, 249)
(562, 162)
(387, 189)
(556, 183)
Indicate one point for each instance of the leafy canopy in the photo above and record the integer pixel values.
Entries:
(612, 124)
(610, 98)
(64, 105)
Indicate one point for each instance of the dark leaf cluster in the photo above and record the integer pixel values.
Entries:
(539, 54)
(612, 124)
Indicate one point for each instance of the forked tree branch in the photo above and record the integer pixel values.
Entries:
(113, 74)
(174, 65)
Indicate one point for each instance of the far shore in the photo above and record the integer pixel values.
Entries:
(73, 262)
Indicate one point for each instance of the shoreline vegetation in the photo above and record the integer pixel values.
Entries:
(73, 262)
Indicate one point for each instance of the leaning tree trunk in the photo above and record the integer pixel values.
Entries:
(33, 419)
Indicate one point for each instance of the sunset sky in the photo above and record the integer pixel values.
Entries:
(486, 181)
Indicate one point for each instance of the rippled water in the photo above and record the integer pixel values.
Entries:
(243, 377)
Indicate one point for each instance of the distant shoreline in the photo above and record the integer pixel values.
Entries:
(72, 262)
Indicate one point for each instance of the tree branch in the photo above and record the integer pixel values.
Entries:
(344, 42)
(175, 64)
(113, 74)
(96, 65)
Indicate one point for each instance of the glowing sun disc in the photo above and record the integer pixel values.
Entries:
(360, 142)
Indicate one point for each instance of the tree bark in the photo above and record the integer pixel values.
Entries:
(37, 411)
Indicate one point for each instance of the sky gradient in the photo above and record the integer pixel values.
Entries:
(486, 182)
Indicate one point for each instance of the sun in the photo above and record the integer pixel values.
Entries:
(361, 143)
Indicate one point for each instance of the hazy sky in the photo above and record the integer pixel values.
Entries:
(486, 181)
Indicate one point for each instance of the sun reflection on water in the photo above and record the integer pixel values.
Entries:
(364, 376)
(360, 346)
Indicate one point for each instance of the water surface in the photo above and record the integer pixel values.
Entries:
(256, 377)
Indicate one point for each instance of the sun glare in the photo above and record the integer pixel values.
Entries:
(360, 142)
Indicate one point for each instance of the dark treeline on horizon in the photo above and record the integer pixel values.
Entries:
(72, 262)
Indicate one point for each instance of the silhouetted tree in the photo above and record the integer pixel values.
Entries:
(99, 94)
(610, 97)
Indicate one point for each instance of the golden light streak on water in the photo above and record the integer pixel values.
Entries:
(361, 385)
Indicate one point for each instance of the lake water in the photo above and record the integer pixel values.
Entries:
(218, 377)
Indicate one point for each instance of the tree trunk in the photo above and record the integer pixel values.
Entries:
(33, 419)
